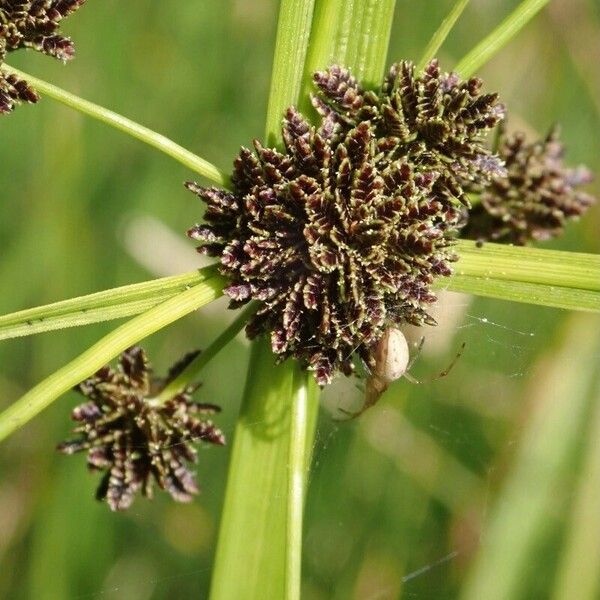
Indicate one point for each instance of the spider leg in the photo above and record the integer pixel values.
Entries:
(440, 375)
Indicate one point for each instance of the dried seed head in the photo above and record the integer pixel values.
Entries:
(31, 24)
(535, 199)
(335, 243)
(135, 441)
(434, 120)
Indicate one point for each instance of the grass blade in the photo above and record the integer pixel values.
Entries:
(102, 352)
(518, 291)
(111, 304)
(156, 140)
(579, 574)
(529, 265)
(439, 37)
(567, 280)
(561, 398)
(494, 42)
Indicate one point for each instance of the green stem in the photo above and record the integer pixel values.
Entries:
(111, 304)
(496, 40)
(441, 34)
(259, 548)
(86, 364)
(191, 372)
(303, 412)
(156, 140)
(290, 51)
(567, 298)
(353, 33)
(272, 443)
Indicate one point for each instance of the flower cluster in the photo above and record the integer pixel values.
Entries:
(342, 233)
(31, 24)
(433, 120)
(536, 197)
(136, 440)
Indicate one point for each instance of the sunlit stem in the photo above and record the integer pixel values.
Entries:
(102, 352)
(191, 372)
(441, 34)
(156, 140)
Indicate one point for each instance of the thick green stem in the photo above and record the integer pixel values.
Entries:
(191, 372)
(259, 549)
(496, 40)
(101, 353)
(293, 34)
(353, 33)
(530, 265)
(156, 140)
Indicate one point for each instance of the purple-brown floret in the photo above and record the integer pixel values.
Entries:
(31, 24)
(334, 243)
(137, 441)
(535, 199)
(433, 120)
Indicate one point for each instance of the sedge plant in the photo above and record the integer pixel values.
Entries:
(373, 188)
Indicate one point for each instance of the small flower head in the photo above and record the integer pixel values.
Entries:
(136, 441)
(335, 243)
(31, 24)
(13, 91)
(433, 120)
(536, 197)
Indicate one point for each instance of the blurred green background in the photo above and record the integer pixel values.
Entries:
(487, 475)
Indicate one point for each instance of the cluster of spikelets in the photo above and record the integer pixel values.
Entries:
(137, 441)
(341, 233)
(535, 199)
(31, 24)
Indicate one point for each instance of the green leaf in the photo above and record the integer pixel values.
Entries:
(439, 37)
(259, 548)
(529, 265)
(102, 352)
(569, 280)
(156, 140)
(560, 401)
(518, 291)
(111, 304)
(496, 40)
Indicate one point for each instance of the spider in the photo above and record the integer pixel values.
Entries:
(393, 361)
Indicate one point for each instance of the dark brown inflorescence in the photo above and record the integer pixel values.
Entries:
(433, 120)
(136, 440)
(341, 234)
(31, 24)
(535, 199)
